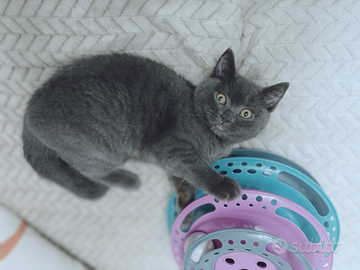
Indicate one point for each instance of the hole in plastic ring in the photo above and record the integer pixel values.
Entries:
(229, 261)
(261, 264)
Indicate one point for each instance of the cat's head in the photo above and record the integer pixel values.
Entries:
(232, 107)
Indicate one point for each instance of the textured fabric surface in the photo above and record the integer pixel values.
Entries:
(312, 44)
(21, 247)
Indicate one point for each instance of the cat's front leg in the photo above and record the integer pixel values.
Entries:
(181, 161)
(202, 176)
(221, 187)
(185, 192)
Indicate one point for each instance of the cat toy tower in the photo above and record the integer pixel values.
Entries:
(283, 220)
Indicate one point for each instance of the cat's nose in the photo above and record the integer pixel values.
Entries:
(227, 116)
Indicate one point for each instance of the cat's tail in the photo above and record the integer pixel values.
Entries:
(49, 165)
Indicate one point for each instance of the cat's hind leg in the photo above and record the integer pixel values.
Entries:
(122, 178)
(104, 171)
(185, 192)
(80, 167)
(48, 164)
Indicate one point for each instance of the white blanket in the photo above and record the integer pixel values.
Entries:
(22, 248)
(313, 44)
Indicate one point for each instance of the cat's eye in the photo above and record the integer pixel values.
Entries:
(221, 98)
(246, 113)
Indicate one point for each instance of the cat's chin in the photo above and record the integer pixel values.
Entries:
(224, 131)
(219, 129)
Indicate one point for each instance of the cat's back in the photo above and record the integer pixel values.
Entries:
(101, 81)
(118, 93)
(116, 67)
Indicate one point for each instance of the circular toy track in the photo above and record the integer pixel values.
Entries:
(261, 212)
(246, 249)
(260, 170)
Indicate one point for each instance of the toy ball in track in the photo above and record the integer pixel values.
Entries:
(283, 220)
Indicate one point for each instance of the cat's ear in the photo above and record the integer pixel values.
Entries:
(225, 67)
(272, 95)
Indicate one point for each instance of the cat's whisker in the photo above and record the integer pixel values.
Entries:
(182, 182)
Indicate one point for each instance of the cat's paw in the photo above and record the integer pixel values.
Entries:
(122, 178)
(227, 190)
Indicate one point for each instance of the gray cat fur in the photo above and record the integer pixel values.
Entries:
(98, 112)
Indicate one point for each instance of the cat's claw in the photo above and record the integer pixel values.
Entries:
(227, 190)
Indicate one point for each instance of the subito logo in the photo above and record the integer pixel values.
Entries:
(280, 246)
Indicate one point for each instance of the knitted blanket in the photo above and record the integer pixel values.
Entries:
(313, 44)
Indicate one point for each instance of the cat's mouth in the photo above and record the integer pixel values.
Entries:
(220, 126)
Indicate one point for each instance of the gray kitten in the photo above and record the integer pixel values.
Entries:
(98, 112)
